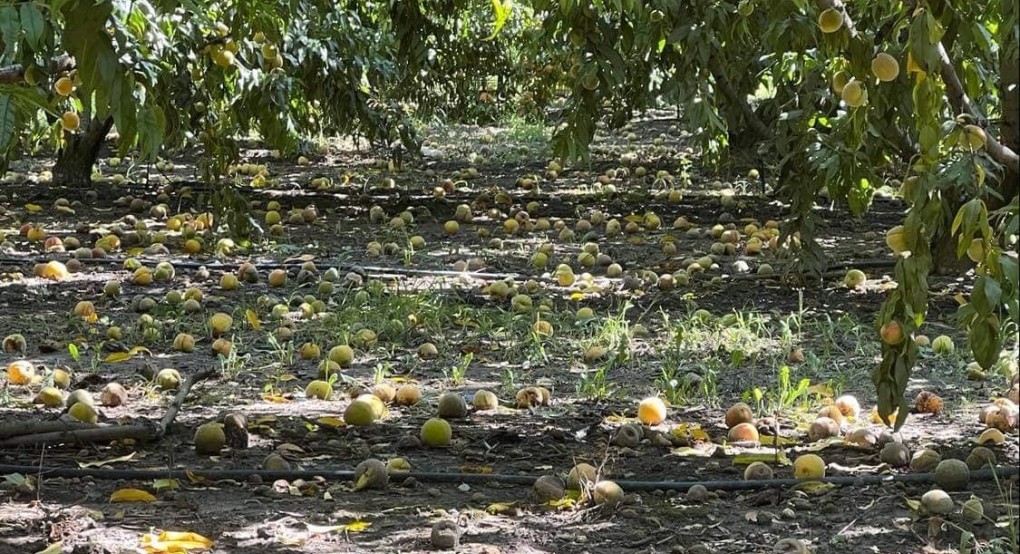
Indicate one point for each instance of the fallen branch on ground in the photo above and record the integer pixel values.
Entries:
(42, 432)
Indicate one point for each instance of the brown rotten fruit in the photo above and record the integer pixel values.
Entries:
(737, 414)
(927, 403)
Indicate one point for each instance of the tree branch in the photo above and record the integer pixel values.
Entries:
(962, 105)
(954, 90)
(734, 98)
(61, 432)
(16, 73)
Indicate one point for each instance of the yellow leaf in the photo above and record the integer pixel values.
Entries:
(131, 495)
(175, 541)
(577, 296)
(821, 389)
(285, 377)
(769, 440)
(914, 505)
(749, 458)
(700, 434)
(468, 468)
(117, 357)
(55, 548)
(693, 432)
(823, 444)
(265, 420)
(274, 398)
(357, 526)
(101, 463)
(253, 319)
(194, 477)
(563, 503)
(501, 508)
(688, 451)
(330, 421)
(813, 487)
(136, 350)
(33, 208)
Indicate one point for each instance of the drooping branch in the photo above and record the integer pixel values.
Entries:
(958, 98)
(48, 432)
(16, 73)
(961, 104)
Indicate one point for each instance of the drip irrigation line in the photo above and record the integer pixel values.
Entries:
(479, 478)
(219, 266)
(387, 271)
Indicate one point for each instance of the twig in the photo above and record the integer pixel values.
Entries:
(16, 73)
(175, 406)
(99, 434)
(48, 426)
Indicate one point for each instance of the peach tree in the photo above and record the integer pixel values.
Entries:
(168, 74)
(69, 75)
(847, 96)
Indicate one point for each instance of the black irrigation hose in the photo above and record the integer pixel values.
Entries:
(437, 477)
(381, 270)
(221, 266)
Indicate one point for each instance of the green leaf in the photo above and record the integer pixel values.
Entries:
(984, 342)
(935, 30)
(33, 24)
(901, 415)
(968, 217)
(986, 295)
(501, 10)
(10, 27)
(1010, 268)
(8, 121)
(151, 124)
(992, 291)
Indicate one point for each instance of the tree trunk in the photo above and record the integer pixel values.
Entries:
(944, 258)
(1009, 91)
(77, 158)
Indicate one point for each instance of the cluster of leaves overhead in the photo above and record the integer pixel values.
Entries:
(471, 61)
(312, 69)
(110, 49)
(284, 71)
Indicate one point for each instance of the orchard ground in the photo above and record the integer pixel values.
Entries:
(723, 337)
